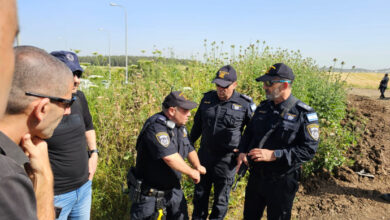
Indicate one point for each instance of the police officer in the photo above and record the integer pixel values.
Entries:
(282, 135)
(383, 86)
(161, 147)
(220, 120)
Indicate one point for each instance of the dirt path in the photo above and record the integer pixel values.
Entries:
(348, 195)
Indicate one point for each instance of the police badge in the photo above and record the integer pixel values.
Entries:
(163, 138)
(314, 131)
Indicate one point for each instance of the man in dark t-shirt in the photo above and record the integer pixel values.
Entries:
(383, 86)
(73, 170)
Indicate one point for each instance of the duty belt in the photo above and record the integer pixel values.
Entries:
(148, 191)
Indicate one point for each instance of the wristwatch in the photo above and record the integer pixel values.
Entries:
(90, 152)
(278, 153)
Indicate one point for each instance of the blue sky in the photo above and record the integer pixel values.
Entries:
(356, 32)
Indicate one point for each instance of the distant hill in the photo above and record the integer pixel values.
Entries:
(358, 70)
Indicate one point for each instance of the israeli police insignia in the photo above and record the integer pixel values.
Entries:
(314, 131)
(163, 138)
(236, 107)
(253, 107)
(184, 132)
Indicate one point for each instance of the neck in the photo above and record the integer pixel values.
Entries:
(14, 127)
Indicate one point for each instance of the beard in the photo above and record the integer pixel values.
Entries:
(274, 94)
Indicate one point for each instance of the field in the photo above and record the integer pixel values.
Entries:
(120, 110)
(362, 80)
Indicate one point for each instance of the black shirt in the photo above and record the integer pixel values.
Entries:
(384, 82)
(68, 148)
(17, 198)
(156, 141)
(221, 122)
(296, 137)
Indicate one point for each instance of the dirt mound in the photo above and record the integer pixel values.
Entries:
(347, 195)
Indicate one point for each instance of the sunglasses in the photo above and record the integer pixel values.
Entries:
(271, 82)
(67, 102)
(222, 86)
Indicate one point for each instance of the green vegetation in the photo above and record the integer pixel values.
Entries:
(120, 111)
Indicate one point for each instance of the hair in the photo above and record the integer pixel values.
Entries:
(38, 72)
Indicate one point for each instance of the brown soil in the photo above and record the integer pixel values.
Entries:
(346, 195)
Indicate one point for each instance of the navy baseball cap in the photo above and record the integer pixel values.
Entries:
(225, 76)
(277, 70)
(177, 99)
(70, 59)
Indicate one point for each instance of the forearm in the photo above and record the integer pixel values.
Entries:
(194, 159)
(93, 159)
(176, 162)
(43, 186)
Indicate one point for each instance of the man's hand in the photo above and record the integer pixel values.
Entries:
(241, 158)
(195, 176)
(201, 169)
(40, 170)
(36, 150)
(258, 155)
(92, 165)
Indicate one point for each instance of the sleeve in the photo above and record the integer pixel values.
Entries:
(86, 113)
(158, 141)
(246, 138)
(17, 198)
(249, 112)
(307, 141)
(196, 129)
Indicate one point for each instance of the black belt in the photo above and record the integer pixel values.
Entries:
(266, 173)
(149, 191)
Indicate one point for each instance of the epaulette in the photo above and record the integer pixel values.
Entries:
(161, 119)
(248, 98)
(304, 106)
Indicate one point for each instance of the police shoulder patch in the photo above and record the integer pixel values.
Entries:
(163, 138)
(304, 106)
(314, 131)
(312, 117)
(253, 107)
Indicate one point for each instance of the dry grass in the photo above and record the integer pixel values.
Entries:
(362, 80)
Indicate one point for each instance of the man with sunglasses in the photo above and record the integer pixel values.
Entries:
(221, 117)
(73, 170)
(282, 135)
(33, 112)
(161, 148)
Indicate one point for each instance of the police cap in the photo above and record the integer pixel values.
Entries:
(225, 76)
(177, 99)
(277, 70)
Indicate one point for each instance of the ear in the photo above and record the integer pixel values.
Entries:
(41, 108)
(171, 111)
(234, 85)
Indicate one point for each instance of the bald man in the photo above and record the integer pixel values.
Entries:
(34, 110)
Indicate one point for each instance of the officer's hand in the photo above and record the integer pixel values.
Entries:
(195, 176)
(201, 169)
(258, 155)
(241, 158)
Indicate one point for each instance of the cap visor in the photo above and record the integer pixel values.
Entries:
(263, 78)
(221, 82)
(188, 105)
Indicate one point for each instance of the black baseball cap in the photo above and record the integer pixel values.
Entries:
(225, 76)
(177, 99)
(70, 59)
(277, 70)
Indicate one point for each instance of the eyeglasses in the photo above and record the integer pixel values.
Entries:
(67, 102)
(271, 82)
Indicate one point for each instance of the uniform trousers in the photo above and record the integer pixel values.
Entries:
(274, 192)
(220, 172)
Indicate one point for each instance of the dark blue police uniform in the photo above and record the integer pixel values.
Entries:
(295, 141)
(158, 140)
(221, 124)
